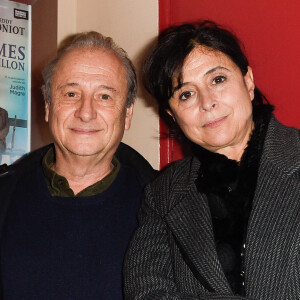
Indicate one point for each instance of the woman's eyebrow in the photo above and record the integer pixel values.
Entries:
(216, 69)
(179, 86)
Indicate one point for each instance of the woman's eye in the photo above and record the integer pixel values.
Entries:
(186, 95)
(219, 79)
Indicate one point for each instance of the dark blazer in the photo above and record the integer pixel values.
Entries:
(173, 256)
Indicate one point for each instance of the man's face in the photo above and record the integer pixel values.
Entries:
(88, 114)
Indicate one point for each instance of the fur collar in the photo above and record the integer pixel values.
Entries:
(230, 188)
(217, 171)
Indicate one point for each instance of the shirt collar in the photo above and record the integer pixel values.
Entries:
(58, 185)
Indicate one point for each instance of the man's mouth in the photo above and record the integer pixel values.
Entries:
(84, 131)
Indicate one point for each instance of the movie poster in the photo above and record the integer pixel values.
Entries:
(15, 64)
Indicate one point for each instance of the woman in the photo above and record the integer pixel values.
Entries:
(225, 223)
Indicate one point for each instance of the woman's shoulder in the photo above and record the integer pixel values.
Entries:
(171, 184)
(277, 128)
(178, 171)
(282, 146)
(283, 135)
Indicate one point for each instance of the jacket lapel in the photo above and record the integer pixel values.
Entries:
(190, 223)
(274, 224)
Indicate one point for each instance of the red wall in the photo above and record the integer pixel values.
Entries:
(270, 32)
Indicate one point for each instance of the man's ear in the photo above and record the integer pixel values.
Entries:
(47, 108)
(249, 81)
(128, 117)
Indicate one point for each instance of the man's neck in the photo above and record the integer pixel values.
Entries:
(81, 171)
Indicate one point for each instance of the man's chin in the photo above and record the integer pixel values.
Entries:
(84, 151)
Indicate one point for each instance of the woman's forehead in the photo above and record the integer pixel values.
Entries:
(202, 55)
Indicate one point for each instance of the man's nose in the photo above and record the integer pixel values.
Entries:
(86, 109)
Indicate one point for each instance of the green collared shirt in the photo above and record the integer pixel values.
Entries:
(59, 186)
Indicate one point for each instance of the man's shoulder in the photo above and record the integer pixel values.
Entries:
(9, 176)
(23, 164)
(136, 162)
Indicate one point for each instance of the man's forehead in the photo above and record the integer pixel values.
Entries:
(90, 61)
(91, 68)
(94, 51)
(98, 55)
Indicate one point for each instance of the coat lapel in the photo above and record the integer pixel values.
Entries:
(274, 224)
(190, 223)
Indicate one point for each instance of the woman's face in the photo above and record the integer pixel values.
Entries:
(213, 106)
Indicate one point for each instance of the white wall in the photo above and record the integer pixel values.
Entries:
(133, 24)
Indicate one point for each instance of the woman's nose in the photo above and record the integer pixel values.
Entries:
(207, 101)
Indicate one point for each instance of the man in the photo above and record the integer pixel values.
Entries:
(69, 210)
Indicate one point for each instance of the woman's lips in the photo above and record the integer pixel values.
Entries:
(215, 123)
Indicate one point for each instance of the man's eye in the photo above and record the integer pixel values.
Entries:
(105, 97)
(70, 94)
(219, 79)
(186, 95)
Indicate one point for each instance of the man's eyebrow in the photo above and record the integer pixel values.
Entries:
(108, 88)
(179, 86)
(77, 84)
(61, 86)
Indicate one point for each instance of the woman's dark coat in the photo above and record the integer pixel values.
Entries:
(173, 256)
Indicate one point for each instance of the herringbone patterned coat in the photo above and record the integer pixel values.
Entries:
(173, 256)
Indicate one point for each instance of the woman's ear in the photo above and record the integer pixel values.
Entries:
(249, 81)
(169, 112)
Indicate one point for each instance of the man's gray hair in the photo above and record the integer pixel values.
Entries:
(91, 39)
